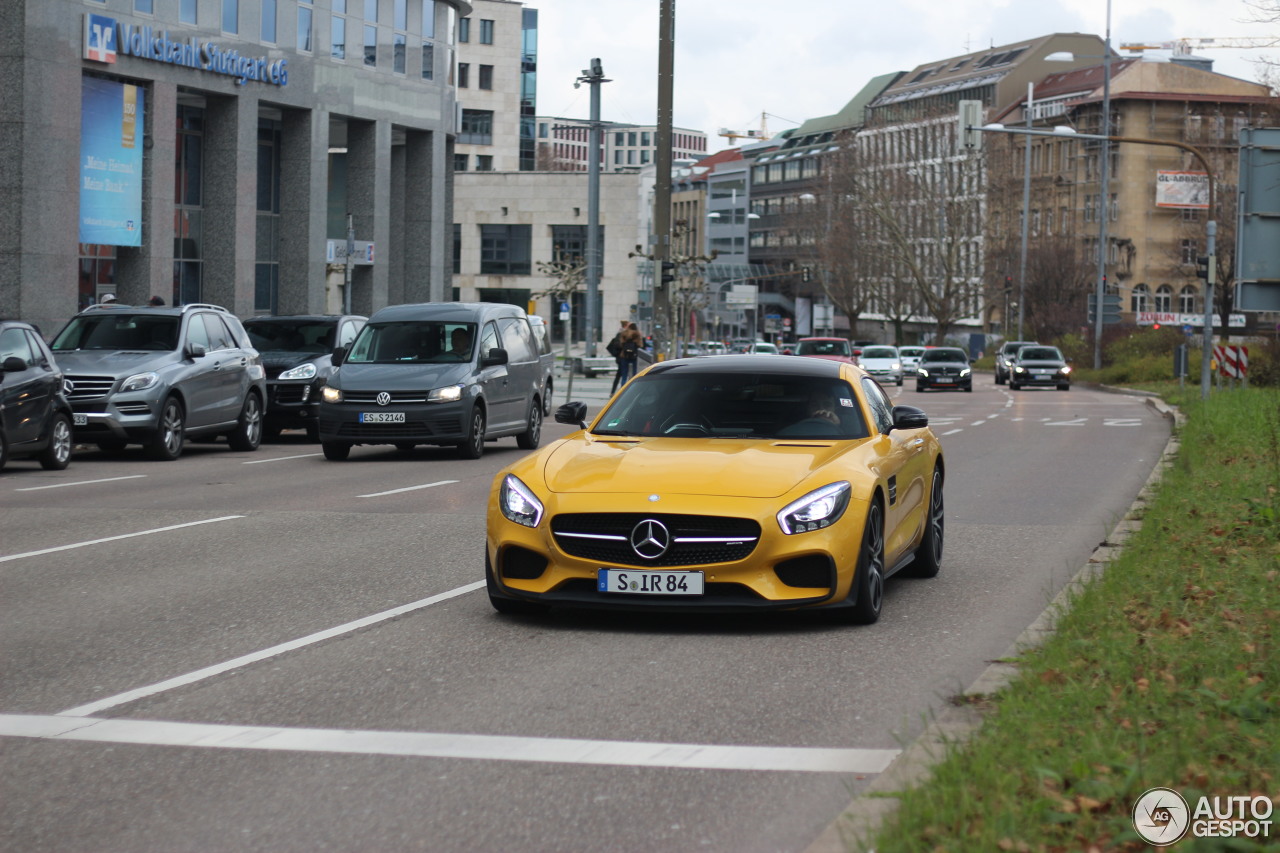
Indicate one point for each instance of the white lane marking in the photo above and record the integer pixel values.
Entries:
(282, 458)
(254, 657)
(1015, 419)
(409, 489)
(1122, 421)
(978, 423)
(942, 421)
(23, 555)
(445, 745)
(953, 431)
(996, 415)
(1072, 422)
(81, 483)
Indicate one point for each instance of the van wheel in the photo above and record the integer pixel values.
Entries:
(473, 446)
(546, 401)
(336, 450)
(528, 440)
(57, 455)
(166, 443)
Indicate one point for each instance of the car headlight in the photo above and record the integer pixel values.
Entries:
(518, 503)
(1019, 370)
(896, 366)
(330, 394)
(302, 371)
(140, 382)
(964, 371)
(920, 371)
(1064, 370)
(448, 394)
(818, 509)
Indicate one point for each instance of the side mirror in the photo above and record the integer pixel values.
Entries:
(572, 413)
(495, 356)
(195, 350)
(339, 356)
(909, 417)
(13, 364)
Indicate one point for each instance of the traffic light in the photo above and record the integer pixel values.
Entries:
(806, 274)
(1202, 267)
(668, 272)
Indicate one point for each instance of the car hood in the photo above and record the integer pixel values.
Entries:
(686, 466)
(400, 377)
(278, 361)
(112, 362)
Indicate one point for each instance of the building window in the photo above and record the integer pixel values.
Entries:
(486, 31)
(464, 75)
(459, 162)
(645, 139)
(267, 244)
(1164, 298)
(371, 11)
(304, 28)
(486, 77)
(464, 30)
(1190, 214)
(371, 46)
(144, 7)
(505, 249)
(457, 248)
(188, 204)
(1187, 299)
(1188, 251)
(1138, 299)
(398, 53)
(187, 12)
(338, 37)
(428, 61)
(269, 21)
(484, 162)
(231, 16)
(569, 244)
(400, 14)
(477, 127)
(429, 19)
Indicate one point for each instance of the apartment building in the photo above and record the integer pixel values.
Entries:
(562, 144)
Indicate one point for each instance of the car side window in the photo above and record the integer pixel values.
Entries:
(881, 411)
(219, 337)
(347, 334)
(39, 350)
(14, 344)
(196, 332)
(489, 339)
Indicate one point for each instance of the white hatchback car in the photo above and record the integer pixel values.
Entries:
(910, 359)
(883, 363)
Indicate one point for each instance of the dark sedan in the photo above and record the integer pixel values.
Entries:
(297, 353)
(944, 368)
(35, 417)
(1039, 365)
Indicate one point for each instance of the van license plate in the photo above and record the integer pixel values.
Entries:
(382, 417)
(649, 582)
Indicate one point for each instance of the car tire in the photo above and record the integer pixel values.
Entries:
(546, 400)
(928, 558)
(473, 446)
(336, 451)
(868, 579)
(405, 446)
(969, 388)
(248, 432)
(1064, 387)
(502, 604)
(1013, 386)
(57, 455)
(529, 439)
(999, 379)
(166, 443)
(899, 381)
(4, 452)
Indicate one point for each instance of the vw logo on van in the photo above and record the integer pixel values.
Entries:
(383, 398)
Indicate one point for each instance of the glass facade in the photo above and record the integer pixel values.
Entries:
(528, 89)
(267, 260)
(188, 206)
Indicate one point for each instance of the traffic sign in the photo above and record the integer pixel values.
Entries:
(1110, 308)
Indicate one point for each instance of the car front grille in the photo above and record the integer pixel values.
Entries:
(695, 539)
(291, 393)
(370, 398)
(944, 371)
(89, 387)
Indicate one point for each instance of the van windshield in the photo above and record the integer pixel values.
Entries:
(413, 342)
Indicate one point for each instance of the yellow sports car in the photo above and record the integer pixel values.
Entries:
(729, 484)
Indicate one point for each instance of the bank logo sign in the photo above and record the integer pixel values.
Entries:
(105, 38)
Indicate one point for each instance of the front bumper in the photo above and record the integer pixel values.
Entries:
(957, 382)
(293, 404)
(424, 423)
(1039, 378)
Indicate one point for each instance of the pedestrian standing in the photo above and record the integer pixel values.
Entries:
(615, 349)
(632, 340)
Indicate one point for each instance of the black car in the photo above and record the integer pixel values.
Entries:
(1040, 365)
(945, 368)
(297, 354)
(35, 417)
(1004, 358)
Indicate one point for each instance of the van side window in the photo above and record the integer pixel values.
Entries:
(518, 339)
(489, 339)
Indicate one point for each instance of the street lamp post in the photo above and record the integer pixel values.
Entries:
(593, 77)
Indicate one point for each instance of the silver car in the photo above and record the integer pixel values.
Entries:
(883, 363)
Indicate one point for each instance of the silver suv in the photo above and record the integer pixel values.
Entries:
(155, 376)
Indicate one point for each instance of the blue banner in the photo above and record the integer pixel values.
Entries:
(111, 133)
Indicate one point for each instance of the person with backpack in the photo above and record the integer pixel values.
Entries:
(615, 349)
(631, 341)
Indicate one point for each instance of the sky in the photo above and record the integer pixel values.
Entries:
(792, 60)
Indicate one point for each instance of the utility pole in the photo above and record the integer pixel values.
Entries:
(593, 77)
(662, 189)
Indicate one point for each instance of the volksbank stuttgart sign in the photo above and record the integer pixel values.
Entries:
(105, 38)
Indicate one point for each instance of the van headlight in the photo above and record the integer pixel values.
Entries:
(818, 509)
(329, 394)
(139, 382)
(518, 502)
(448, 394)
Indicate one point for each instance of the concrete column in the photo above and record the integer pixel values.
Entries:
(368, 201)
(421, 245)
(304, 188)
(230, 201)
(442, 212)
(147, 270)
(396, 255)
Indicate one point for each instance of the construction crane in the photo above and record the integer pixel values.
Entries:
(762, 133)
(1184, 47)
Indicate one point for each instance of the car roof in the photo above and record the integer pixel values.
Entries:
(456, 312)
(310, 318)
(936, 350)
(749, 364)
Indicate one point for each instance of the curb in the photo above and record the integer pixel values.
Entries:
(953, 725)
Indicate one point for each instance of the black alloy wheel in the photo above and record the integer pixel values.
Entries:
(928, 558)
(868, 579)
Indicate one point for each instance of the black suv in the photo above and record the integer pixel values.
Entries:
(155, 376)
(1005, 356)
(297, 354)
(35, 417)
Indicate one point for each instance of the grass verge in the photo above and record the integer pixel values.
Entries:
(1164, 671)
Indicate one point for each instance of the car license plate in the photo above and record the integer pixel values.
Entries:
(382, 417)
(945, 379)
(80, 420)
(1043, 376)
(649, 582)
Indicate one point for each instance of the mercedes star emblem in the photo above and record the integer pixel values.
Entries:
(650, 539)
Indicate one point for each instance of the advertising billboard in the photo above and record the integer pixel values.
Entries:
(111, 136)
(1182, 189)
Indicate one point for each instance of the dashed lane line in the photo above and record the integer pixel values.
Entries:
(81, 483)
(8, 557)
(408, 489)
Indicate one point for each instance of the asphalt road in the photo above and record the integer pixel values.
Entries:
(272, 652)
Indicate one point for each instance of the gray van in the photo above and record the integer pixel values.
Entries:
(444, 373)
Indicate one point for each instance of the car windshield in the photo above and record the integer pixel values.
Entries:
(112, 331)
(313, 336)
(947, 355)
(1039, 354)
(413, 342)
(911, 351)
(823, 348)
(684, 404)
(879, 352)
(769, 348)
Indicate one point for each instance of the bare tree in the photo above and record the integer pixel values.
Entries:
(568, 277)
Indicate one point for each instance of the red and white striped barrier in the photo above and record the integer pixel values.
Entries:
(1233, 361)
